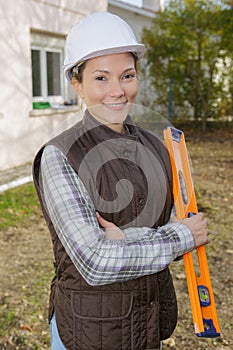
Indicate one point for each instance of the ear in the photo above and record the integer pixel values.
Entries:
(78, 87)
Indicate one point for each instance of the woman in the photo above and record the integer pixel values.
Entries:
(106, 192)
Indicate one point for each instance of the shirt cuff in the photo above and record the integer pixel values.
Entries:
(186, 240)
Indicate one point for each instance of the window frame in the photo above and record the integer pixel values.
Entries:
(41, 42)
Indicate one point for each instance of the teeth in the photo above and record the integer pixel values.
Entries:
(115, 104)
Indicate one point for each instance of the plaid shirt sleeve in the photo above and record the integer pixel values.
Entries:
(100, 261)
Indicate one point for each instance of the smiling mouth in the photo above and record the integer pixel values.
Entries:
(116, 106)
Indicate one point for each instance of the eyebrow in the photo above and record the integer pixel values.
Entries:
(107, 72)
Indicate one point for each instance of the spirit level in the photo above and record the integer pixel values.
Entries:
(200, 289)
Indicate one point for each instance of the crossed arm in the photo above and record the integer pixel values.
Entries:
(101, 252)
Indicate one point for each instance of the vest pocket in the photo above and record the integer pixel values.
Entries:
(103, 306)
(103, 319)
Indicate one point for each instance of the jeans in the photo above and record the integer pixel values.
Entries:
(56, 343)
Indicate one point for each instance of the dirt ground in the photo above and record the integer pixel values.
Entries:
(26, 260)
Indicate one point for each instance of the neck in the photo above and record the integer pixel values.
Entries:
(118, 128)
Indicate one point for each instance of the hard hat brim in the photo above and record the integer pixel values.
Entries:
(138, 50)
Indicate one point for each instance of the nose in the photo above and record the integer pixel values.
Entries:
(116, 89)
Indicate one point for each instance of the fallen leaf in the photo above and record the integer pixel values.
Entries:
(169, 342)
(26, 327)
(181, 276)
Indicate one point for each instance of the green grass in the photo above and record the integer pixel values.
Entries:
(17, 203)
(7, 320)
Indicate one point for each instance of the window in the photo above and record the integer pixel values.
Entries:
(47, 76)
(36, 76)
(53, 76)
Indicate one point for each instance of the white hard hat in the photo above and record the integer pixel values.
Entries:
(99, 34)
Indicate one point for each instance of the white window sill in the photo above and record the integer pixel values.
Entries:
(55, 110)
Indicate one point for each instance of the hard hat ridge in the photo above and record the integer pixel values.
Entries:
(99, 34)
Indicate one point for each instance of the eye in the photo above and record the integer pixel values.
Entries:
(100, 78)
(129, 76)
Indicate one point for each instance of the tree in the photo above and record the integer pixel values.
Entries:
(187, 48)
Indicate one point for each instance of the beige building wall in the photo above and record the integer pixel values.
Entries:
(23, 130)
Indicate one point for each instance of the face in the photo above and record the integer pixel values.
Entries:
(108, 87)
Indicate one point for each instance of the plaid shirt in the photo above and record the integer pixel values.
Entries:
(100, 261)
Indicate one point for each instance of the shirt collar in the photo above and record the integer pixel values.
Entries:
(90, 123)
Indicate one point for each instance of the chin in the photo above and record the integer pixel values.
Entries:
(111, 114)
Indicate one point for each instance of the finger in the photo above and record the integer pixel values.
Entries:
(174, 219)
(99, 218)
(104, 223)
(202, 216)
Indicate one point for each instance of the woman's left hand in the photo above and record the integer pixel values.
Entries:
(112, 231)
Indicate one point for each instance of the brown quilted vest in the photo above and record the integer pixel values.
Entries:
(132, 315)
